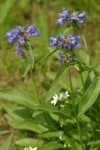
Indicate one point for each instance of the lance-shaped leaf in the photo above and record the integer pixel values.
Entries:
(31, 125)
(22, 97)
(29, 141)
(89, 97)
(55, 86)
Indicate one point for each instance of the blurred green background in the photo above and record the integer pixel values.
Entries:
(43, 14)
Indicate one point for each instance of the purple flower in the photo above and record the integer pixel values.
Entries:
(73, 40)
(11, 35)
(19, 51)
(19, 34)
(67, 15)
(53, 41)
(56, 41)
(61, 57)
(66, 42)
(61, 21)
(63, 16)
(31, 31)
(82, 17)
(78, 17)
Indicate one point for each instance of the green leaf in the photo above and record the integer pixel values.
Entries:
(6, 144)
(52, 134)
(36, 113)
(89, 97)
(51, 146)
(16, 114)
(47, 107)
(25, 69)
(73, 143)
(93, 143)
(54, 87)
(32, 125)
(84, 40)
(84, 57)
(31, 54)
(22, 97)
(29, 142)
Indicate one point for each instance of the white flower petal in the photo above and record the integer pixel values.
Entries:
(54, 102)
(61, 96)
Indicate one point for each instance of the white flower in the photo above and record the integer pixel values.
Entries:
(55, 99)
(63, 95)
(35, 148)
(30, 148)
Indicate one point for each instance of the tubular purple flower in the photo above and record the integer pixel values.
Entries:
(11, 35)
(73, 40)
(19, 29)
(31, 31)
(56, 41)
(21, 40)
(63, 16)
(19, 51)
(82, 17)
(53, 41)
(61, 21)
(61, 57)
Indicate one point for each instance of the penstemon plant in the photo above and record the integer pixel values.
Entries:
(62, 119)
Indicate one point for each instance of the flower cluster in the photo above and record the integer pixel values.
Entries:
(66, 42)
(19, 35)
(68, 16)
(30, 148)
(56, 98)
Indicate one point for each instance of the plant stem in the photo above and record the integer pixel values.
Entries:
(34, 87)
(82, 80)
(31, 62)
(78, 125)
(81, 64)
(71, 87)
(80, 133)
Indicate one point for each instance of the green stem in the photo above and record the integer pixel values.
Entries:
(76, 54)
(47, 56)
(71, 87)
(80, 133)
(81, 76)
(31, 62)
(34, 87)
